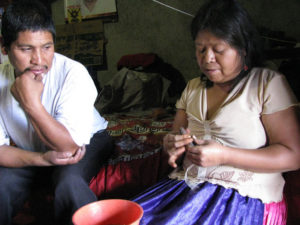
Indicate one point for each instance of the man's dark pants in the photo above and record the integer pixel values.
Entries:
(71, 190)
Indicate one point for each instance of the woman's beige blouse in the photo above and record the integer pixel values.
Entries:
(237, 123)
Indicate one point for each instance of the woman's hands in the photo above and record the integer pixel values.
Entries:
(175, 146)
(206, 153)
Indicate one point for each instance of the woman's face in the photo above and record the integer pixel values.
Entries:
(219, 61)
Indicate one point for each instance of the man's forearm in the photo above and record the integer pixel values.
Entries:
(28, 91)
(15, 157)
(53, 134)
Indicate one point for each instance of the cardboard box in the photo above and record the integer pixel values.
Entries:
(82, 41)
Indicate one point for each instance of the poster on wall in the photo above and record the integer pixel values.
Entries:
(78, 10)
(83, 42)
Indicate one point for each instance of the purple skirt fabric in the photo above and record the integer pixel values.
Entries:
(173, 202)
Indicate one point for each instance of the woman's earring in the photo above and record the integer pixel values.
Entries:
(4, 50)
(245, 67)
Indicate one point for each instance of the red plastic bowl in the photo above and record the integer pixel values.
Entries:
(109, 212)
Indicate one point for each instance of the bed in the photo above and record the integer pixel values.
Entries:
(138, 160)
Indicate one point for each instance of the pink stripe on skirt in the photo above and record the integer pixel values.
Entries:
(275, 213)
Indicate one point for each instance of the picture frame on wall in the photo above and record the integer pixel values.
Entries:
(78, 10)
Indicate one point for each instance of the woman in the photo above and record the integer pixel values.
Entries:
(247, 133)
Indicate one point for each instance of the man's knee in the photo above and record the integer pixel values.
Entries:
(11, 183)
(13, 192)
(70, 183)
(101, 146)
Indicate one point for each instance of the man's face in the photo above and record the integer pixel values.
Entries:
(33, 50)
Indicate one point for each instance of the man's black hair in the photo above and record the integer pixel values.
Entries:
(25, 15)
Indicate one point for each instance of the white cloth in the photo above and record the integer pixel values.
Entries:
(237, 123)
(68, 96)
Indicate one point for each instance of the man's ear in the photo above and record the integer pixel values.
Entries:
(3, 49)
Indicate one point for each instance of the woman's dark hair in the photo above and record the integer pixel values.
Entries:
(25, 15)
(228, 20)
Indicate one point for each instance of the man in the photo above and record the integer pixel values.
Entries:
(47, 111)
